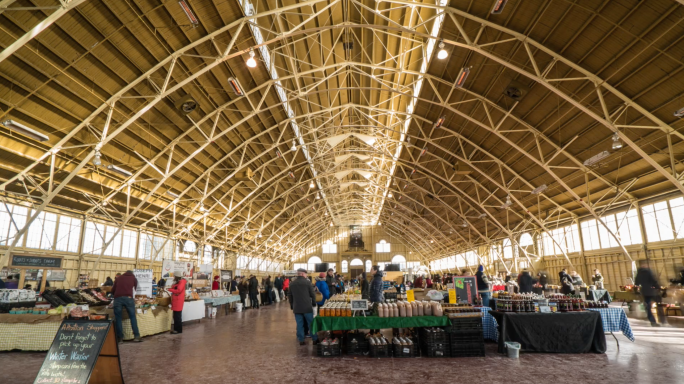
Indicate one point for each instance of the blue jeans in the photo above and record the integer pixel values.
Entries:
(485, 298)
(301, 318)
(119, 304)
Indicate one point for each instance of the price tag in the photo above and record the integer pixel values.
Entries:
(153, 307)
(452, 296)
(544, 309)
(410, 297)
(138, 310)
(144, 312)
(406, 350)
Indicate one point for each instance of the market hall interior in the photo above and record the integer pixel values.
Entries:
(484, 186)
(259, 346)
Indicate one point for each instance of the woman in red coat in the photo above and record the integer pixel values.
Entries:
(286, 286)
(177, 300)
(215, 286)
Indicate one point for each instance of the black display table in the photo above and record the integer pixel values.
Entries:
(572, 332)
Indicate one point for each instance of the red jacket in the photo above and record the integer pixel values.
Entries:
(178, 295)
(215, 286)
(286, 283)
(124, 285)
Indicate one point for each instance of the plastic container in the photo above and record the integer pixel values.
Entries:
(238, 307)
(513, 349)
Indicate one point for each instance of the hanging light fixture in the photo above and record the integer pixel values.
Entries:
(294, 145)
(464, 224)
(617, 141)
(508, 202)
(97, 160)
(331, 223)
(389, 195)
(312, 184)
(499, 6)
(318, 196)
(24, 130)
(442, 54)
(251, 62)
(462, 76)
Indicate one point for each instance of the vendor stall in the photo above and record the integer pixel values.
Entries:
(321, 323)
(598, 295)
(615, 320)
(220, 303)
(570, 332)
(28, 332)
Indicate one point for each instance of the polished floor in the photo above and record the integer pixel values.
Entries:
(259, 346)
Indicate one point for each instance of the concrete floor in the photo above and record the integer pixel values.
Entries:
(259, 346)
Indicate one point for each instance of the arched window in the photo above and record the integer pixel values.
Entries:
(382, 247)
(345, 266)
(526, 240)
(190, 247)
(401, 260)
(368, 266)
(208, 255)
(356, 262)
(311, 264)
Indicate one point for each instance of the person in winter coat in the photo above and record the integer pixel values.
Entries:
(597, 279)
(234, 285)
(576, 278)
(418, 282)
(322, 287)
(109, 282)
(543, 280)
(365, 291)
(278, 284)
(301, 297)
(177, 301)
(286, 286)
(483, 286)
(254, 292)
(331, 281)
(216, 285)
(375, 294)
(566, 283)
(123, 292)
(650, 290)
(526, 282)
(243, 289)
(268, 286)
(428, 282)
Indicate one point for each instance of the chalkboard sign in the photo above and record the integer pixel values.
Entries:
(83, 351)
(466, 288)
(359, 305)
(36, 262)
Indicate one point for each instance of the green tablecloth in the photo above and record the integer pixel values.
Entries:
(374, 322)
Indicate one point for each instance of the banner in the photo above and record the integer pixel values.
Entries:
(144, 277)
(185, 267)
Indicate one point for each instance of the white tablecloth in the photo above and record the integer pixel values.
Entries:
(193, 310)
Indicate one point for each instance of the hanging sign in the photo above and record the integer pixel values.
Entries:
(452, 296)
(410, 297)
(144, 277)
(170, 266)
(83, 351)
(35, 262)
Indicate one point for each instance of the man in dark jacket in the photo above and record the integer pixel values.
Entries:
(254, 292)
(650, 290)
(302, 300)
(123, 292)
(483, 286)
(375, 294)
(331, 281)
(526, 282)
(543, 280)
(268, 286)
(365, 294)
(278, 284)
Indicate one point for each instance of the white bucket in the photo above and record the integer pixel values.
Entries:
(513, 349)
(238, 307)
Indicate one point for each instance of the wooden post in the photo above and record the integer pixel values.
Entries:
(43, 280)
(22, 276)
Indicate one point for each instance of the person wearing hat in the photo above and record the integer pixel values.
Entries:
(331, 281)
(215, 286)
(177, 301)
(302, 300)
(322, 287)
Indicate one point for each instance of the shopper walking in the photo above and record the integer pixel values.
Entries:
(650, 290)
(376, 285)
(365, 290)
(243, 290)
(330, 280)
(483, 286)
(123, 293)
(286, 286)
(268, 286)
(254, 292)
(278, 284)
(526, 282)
(177, 301)
(302, 299)
(322, 287)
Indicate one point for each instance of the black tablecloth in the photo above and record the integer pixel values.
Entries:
(573, 332)
(599, 295)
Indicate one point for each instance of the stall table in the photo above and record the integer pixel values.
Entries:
(221, 302)
(626, 296)
(150, 321)
(326, 323)
(28, 332)
(614, 320)
(193, 310)
(572, 332)
(599, 295)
